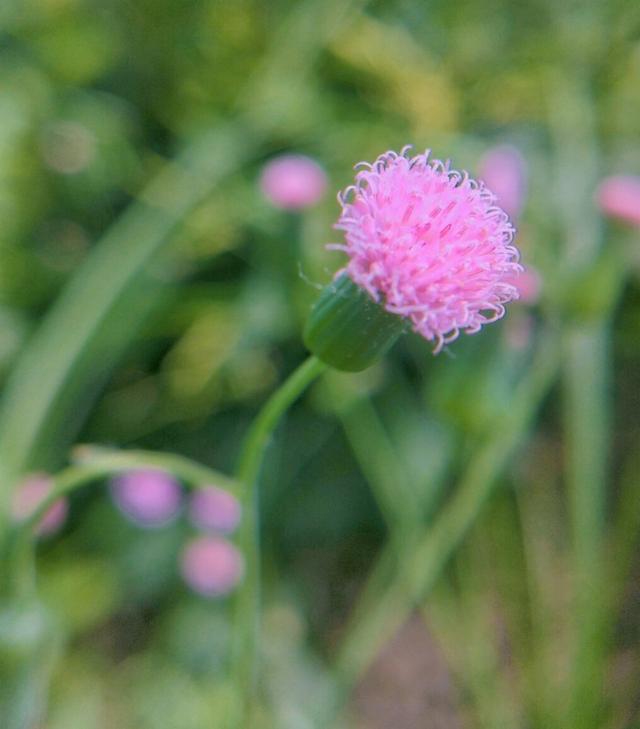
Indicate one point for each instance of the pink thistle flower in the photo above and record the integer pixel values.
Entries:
(148, 497)
(28, 497)
(211, 566)
(619, 197)
(214, 509)
(430, 243)
(293, 182)
(504, 171)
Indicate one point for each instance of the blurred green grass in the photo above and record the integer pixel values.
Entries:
(94, 102)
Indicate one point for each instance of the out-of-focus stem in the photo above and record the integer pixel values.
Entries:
(95, 462)
(585, 342)
(425, 558)
(381, 466)
(244, 657)
(585, 385)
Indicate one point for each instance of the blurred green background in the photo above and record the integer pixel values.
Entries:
(183, 297)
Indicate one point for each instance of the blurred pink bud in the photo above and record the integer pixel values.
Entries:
(619, 197)
(148, 497)
(215, 509)
(293, 182)
(29, 495)
(528, 284)
(211, 566)
(504, 171)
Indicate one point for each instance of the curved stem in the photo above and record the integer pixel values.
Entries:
(246, 618)
(94, 462)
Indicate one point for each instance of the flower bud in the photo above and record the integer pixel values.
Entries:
(211, 566)
(293, 182)
(148, 497)
(214, 509)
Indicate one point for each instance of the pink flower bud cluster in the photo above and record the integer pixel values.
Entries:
(210, 565)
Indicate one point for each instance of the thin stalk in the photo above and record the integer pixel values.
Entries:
(393, 491)
(395, 495)
(587, 365)
(546, 574)
(244, 656)
(17, 567)
(466, 618)
(93, 463)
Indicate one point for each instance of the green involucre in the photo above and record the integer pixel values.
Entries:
(347, 329)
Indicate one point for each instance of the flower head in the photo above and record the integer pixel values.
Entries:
(429, 243)
(293, 182)
(214, 509)
(211, 566)
(619, 197)
(148, 497)
(28, 497)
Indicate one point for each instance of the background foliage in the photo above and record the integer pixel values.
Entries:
(489, 492)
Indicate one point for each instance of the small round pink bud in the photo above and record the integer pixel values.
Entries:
(148, 497)
(504, 171)
(211, 566)
(214, 509)
(619, 197)
(28, 497)
(293, 182)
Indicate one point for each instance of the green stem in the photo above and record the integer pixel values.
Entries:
(587, 365)
(17, 566)
(380, 464)
(246, 620)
